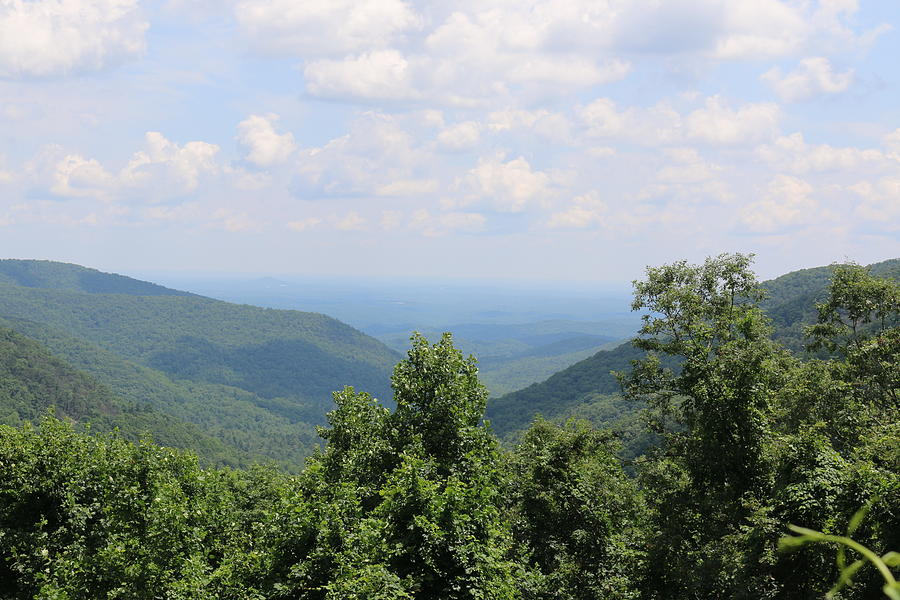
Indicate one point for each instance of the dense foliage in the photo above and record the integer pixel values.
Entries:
(256, 380)
(421, 501)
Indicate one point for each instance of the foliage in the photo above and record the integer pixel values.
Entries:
(753, 439)
(882, 563)
(576, 515)
(256, 380)
(417, 499)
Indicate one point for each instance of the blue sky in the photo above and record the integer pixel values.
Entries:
(576, 140)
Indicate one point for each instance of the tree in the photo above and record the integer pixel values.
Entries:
(406, 503)
(578, 519)
(714, 411)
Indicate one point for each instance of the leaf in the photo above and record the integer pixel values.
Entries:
(856, 519)
(891, 559)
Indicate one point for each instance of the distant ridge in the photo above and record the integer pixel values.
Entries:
(46, 274)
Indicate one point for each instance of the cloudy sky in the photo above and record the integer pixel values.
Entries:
(527, 139)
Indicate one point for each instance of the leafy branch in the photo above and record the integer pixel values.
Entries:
(882, 563)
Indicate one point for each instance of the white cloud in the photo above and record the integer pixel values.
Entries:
(265, 147)
(460, 136)
(166, 169)
(814, 77)
(656, 125)
(880, 202)
(380, 74)
(787, 203)
(586, 211)
(507, 186)
(794, 154)
(550, 125)
(892, 142)
(688, 167)
(377, 156)
(76, 176)
(45, 38)
(316, 28)
(716, 123)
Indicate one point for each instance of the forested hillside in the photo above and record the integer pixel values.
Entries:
(256, 379)
(420, 501)
(46, 274)
(34, 383)
(589, 388)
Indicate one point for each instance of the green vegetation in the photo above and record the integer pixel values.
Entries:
(257, 380)
(421, 501)
(513, 356)
(589, 388)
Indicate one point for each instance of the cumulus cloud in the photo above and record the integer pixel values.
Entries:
(264, 146)
(166, 169)
(161, 172)
(880, 202)
(657, 125)
(46, 38)
(507, 186)
(717, 123)
(376, 156)
(687, 166)
(324, 27)
(469, 53)
(586, 211)
(376, 75)
(714, 123)
(793, 153)
(787, 203)
(460, 136)
(814, 77)
(76, 176)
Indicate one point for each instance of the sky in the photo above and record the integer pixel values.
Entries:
(542, 140)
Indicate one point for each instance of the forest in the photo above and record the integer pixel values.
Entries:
(737, 435)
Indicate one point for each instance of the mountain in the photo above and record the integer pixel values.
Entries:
(45, 274)
(33, 382)
(589, 389)
(258, 379)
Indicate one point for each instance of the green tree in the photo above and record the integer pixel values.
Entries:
(406, 503)
(578, 519)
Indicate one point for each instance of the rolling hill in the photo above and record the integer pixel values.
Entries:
(34, 382)
(257, 379)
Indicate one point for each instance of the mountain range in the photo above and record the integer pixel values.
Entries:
(240, 384)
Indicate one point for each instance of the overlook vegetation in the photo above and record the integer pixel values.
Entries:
(418, 499)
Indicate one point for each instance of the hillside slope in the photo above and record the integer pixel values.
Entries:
(258, 379)
(47, 274)
(589, 388)
(33, 382)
